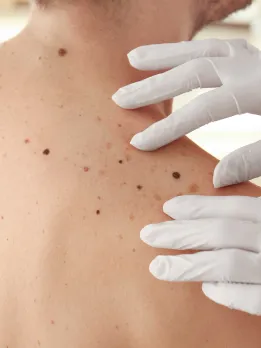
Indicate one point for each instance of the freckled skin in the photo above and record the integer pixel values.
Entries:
(74, 269)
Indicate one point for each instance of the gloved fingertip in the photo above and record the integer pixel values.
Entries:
(158, 268)
(172, 205)
(145, 233)
(132, 57)
(140, 142)
(219, 177)
(120, 98)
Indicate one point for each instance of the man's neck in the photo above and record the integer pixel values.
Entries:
(97, 42)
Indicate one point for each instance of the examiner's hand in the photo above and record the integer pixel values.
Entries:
(227, 231)
(233, 66)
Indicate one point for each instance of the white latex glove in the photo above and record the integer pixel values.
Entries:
(228, 230)
(233, 66)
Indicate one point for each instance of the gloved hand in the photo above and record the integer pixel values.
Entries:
(233, 66)
(227, 230)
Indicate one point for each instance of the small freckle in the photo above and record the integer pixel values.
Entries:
(210, 173)
(117, 327)
(139, 187)
(157, 197)
(99, 197)
(179, 194)
(134, 250)
(98, 212)
(98, 118)
(62, 52)
(176, 175)
(39, 58)
(120, 236)
(86, 169)
(193, 188)
(46, 152)
(2, 218)
(120, 161)
(27, 141)
(39, 343)
(128, 157)
(7, 239)
(101, 172)
(52, 322)
(132, 217)
(119, 125)
(108, 146)
(61, 106)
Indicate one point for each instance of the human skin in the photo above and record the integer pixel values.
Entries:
(75, 194)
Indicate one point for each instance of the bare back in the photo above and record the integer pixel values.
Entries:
(74, 196)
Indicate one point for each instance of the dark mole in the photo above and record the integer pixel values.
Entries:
(98, 212)
(176, 175)
(46, 152)
(139, 187)
(133, 250)
(120, 161)
(62, 52)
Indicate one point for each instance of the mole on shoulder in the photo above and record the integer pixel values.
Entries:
(62, 52)
(176, 175)
(46, 152)
(98, 212)
(139, 187)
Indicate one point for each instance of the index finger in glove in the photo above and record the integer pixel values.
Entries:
(169, 55)
(194, 74)
(243, 297)
(202, 207)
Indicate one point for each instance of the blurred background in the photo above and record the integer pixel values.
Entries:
(219, 138)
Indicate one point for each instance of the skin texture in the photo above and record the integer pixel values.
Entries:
(74, 194)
